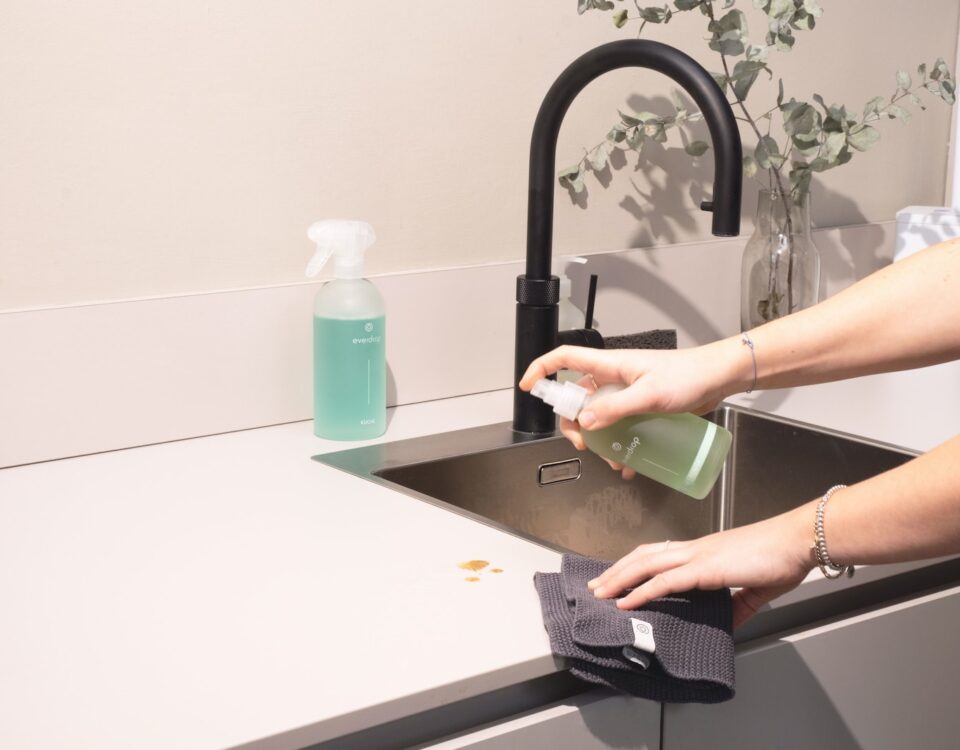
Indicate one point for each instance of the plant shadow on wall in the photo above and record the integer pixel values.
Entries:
(663, 177)
(788, 140)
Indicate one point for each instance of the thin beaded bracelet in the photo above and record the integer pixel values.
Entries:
(747, 341)
(827, 566)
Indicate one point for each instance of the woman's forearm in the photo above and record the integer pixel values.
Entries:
(911, 512)
(903, 316)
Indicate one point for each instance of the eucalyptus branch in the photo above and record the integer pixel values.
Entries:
(815, 141)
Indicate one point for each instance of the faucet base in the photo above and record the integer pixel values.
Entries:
(536, 335)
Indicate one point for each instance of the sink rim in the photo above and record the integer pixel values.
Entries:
(367, 462)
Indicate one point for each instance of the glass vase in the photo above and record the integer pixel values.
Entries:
(781, 265)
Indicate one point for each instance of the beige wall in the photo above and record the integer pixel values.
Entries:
(176, 147)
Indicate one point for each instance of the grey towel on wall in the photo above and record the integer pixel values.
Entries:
(677, 649)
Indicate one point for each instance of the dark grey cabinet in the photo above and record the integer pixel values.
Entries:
(884, 679)
(596, 720)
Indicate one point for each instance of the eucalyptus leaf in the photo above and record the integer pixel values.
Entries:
(656, 15)
(630, 120)
(922, 71)
(655, 131)
(903, 80)
(729, 33)
(803, 21)
(677, 99)
(598, 158)
(805, 149)
(894, 111)
(696, 148)
(584, 5)
(572, 178)
(758, 53)
(779, 8)
(721, 80)
(686, 4)
(813, 8)
(948, 91)
(873, 106)
(782, 40)
(635, 138)
(803, 123)
(620, 18)
(617, 134)
(863, 137)
(744, 75)
(767, 153)
(832, 146)
(750, 166)
(780, 92)
(800, 179)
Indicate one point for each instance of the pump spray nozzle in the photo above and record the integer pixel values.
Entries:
(346, 241)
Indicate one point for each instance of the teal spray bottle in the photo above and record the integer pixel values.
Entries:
(349, 354)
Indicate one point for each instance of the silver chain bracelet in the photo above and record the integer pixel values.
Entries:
(827, 566)
(748, 342)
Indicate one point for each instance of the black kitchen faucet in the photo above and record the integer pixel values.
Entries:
(538, 291)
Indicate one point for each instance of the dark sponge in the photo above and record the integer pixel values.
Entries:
(661, 338)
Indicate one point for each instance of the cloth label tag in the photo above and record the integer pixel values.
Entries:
(643, 635)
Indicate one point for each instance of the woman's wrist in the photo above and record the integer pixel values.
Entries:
(799, 525)
(735, 363)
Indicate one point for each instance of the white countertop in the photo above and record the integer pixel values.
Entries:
(211, 592)
(227, 590)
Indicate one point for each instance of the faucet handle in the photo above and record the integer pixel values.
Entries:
(591, 299)
(585, 336)
(706, 205)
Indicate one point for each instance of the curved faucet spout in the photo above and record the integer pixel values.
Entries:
(683, 69)
(537, 290)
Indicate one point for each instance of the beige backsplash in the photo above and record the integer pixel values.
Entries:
(180, 147)
(88, 378)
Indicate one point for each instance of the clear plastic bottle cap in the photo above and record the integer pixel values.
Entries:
(567, 399)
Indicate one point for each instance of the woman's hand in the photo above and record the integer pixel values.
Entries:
(764, 560)
(685, 380)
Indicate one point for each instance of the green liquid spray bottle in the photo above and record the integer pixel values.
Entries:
(683, 451)
(349, 354)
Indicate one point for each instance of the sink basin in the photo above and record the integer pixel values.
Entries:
(546, 491)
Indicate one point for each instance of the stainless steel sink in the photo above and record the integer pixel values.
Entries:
(546, 491)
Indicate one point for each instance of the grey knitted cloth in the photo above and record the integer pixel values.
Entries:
(685, 640)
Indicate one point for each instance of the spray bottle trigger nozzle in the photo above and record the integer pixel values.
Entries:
(319, 260)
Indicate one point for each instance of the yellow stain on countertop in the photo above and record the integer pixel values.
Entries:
(474, 565)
